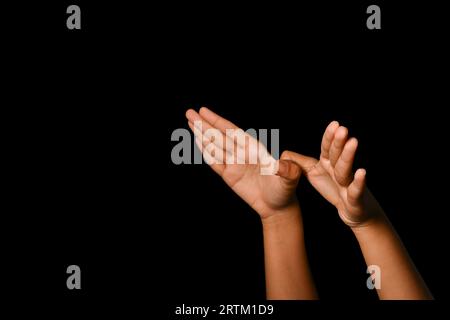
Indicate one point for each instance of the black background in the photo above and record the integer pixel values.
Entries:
(89, 114)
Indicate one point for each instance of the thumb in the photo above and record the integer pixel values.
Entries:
(289, 171)
(305, 163)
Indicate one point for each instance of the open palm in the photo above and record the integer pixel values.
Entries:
(248, 169)
(333, 178)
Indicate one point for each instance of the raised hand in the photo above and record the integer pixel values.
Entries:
(248, 169)
(333, 178)
(381, 246)
(267, 185)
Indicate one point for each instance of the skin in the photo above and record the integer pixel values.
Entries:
(333, 178)
(273, 198)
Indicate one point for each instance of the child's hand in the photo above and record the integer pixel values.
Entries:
(333, 178)
(267, 194)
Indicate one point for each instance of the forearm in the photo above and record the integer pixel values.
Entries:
(381, 246)
(287, 270)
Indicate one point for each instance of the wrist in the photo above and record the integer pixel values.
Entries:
(285, 215)
(375, 221)
(372, 214)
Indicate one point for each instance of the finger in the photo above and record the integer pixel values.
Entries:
(244, 153)
(215, 137)
(203, 128)
(199, 123)
(236, 138)
(340, 137)
(212, 150)
(193, 115)
(327, 139)
(217, 121)
(246, 146)
(210, 159)
(212, 146)
(289, 171)
(305, 163)
(343, 168)
(239, 146)
(355, 190)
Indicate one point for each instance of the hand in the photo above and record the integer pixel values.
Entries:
(333, 178)
(267, 194)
